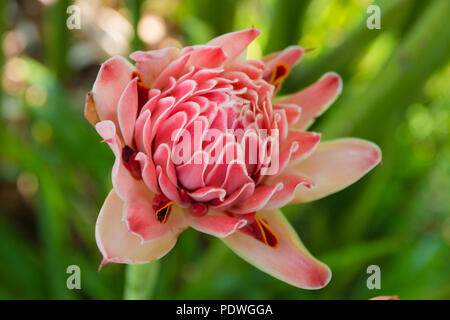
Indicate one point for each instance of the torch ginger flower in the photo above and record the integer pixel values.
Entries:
(221, 186)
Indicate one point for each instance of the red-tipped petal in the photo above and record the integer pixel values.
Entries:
(335, 165)
(290, 261)
(118, 245)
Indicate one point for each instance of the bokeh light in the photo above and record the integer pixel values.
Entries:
(151, 29)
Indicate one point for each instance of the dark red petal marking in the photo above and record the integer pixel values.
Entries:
(279, 73)
(162, 207)
(130, 162)
(142, 90)
(269, 236)
(259, 229)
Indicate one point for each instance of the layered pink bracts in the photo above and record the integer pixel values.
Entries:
(185, 128)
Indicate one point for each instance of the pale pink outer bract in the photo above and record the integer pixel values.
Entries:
(135, 108)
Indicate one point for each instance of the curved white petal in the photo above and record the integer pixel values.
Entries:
(335, 165)
(119, 245)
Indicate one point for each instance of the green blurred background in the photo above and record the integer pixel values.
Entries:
(55, 173)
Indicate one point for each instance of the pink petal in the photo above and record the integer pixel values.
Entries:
(290, 261)
(141, 219)
(127, 111)
(113, 77)
(184, 90)
(119, 245)
(173, 69)
(315, 99)
(150, 64)
(206, 74)
(335, 165)
(236, 176)
(161, 112)
(290, 184)
(206, 86)
(168, 188)
(207, 57)
(239, 195)
(170, 129)
(141, 128)
(216, 171)
(215, 223)
(282, 123)
(291, 55)
(235, 43)
(307, 143)
(242, 65)
(207, 194)
(293, 111)
(191, 174)
(258, 200)
(122, 180)
(162, 157)
(148, 172)
(285, 156)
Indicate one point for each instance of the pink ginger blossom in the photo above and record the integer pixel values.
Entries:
(185, 128)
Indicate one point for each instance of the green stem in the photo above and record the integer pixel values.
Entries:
(140, 280)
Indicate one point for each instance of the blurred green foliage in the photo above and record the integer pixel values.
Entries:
(54, 172)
